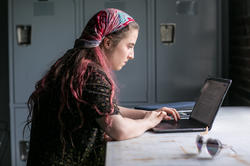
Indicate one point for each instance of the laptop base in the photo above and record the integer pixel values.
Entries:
(183, 125)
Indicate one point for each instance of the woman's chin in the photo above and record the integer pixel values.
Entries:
(117, 68)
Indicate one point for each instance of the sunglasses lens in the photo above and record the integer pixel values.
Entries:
(199, 142)
(213, 146)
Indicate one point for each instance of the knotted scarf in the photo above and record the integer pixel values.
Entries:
(100, 25)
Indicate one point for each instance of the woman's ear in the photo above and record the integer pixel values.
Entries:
(107, 43)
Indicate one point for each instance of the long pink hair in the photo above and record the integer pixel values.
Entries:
(67, 77)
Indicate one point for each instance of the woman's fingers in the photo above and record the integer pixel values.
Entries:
(164, 115)
(172, 112)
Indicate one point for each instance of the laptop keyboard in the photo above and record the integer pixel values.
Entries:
(184, 114)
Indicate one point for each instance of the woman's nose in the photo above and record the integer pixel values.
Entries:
(131, 56)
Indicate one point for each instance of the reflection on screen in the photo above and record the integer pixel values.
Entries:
(209, 101)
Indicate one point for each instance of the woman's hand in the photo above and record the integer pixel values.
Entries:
(169, 112)
(154, 117)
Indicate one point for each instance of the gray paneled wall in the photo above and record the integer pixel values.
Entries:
(181, 67)
(53, 31)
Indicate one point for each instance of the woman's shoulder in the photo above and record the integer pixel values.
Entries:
(96, 74)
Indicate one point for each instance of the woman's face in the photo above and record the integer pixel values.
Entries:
(124, 51)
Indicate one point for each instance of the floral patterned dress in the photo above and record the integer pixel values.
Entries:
(84, 146)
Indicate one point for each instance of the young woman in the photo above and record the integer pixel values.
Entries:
(73, 109)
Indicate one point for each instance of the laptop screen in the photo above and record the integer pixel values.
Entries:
(210, 99)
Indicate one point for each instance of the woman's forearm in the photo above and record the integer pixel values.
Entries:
(132, 128)
(123, 128)
(132, 113)
(134, 123)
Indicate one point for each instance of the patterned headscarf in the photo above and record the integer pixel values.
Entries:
(100, 25)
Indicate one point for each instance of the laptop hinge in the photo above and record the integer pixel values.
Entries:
(200, 122)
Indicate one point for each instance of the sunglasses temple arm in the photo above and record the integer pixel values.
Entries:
(230, 147)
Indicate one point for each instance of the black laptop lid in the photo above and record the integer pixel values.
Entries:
(211, 97)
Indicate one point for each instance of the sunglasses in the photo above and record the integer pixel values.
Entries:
(214, 146)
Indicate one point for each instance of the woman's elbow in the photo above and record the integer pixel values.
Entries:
(120, 135)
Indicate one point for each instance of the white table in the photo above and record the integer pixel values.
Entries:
(231, 127)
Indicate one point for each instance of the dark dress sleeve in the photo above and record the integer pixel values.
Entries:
(97, 93)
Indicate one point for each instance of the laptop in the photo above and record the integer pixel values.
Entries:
(204, 111)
